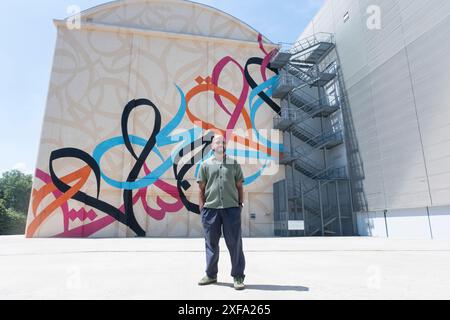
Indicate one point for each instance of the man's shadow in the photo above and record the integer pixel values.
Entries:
(266, 287)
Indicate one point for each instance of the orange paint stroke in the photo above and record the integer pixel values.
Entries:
(38, 196)
(249, 143)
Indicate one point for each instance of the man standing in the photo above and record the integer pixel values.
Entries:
(221, 202)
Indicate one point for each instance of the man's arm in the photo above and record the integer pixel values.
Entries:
(240, 187)
(240, 184)
(202, 180)
(202, 197)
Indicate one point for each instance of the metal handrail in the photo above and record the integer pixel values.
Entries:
(297, 114)
(330, 221)
(306, 43)
(317, 137)
(330, 103)
(315, 188)
(334, 169)
(288, 79)
(299, 73)
(342, 173)
(297, 190)
(312, 140)
(303, 151)
(294, 91)
(322, 138)
(332, 134)
(309, 163)
(313, 131)
(315, 208)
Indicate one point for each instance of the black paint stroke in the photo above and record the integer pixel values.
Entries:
(180, 172)
(140, 160)
(81, 196)
(268, 100)
(128, 218)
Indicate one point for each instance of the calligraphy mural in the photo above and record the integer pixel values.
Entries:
(131, 117)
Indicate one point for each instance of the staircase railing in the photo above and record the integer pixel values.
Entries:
(306, 43)
(306, 111)
(332, 173)
(309, 77)
(317, 141)
(305, 104)
(302, 65)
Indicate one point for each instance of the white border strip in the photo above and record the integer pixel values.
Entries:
(90, 26)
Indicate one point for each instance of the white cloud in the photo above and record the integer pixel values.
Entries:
(23, 167)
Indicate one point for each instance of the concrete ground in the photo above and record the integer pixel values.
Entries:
(303, 268)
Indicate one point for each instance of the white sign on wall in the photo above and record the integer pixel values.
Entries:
(296, 225)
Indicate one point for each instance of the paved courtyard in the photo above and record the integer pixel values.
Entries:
(303, 268)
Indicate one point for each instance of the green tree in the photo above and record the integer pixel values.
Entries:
(15, 190)
(11, 222)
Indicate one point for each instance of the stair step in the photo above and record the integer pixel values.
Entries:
(280, 59)
(317, 54)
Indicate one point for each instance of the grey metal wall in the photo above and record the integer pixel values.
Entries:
(397, 81)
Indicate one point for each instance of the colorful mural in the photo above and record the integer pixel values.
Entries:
(168, 149)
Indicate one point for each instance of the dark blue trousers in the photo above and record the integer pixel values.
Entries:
(228, 220)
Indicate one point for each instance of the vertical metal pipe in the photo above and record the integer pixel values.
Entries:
(291, 143)
(303, 207)
(339, 208)
(285, 230)
(355, 226)
(321, 208)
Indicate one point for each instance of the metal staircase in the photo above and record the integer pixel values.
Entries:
(309, 75)
(311, 136)
(309, 50)
(313, 108)
(299, 73)
(319, 221)
(305, 165)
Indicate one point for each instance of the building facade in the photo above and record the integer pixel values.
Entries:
(360, 105)
(395, 66)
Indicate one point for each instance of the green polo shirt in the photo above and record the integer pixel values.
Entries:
(221, 178)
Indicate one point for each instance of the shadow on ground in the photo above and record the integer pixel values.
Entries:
(266, 287)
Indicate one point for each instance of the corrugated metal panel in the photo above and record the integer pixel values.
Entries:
(402, 122)
(430, 70)
(364, 118)
(324, 18)
(399, 140)
(419, 16)
(382, 44)
(349, 38)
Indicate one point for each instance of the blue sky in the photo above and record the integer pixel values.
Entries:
(28, 34)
